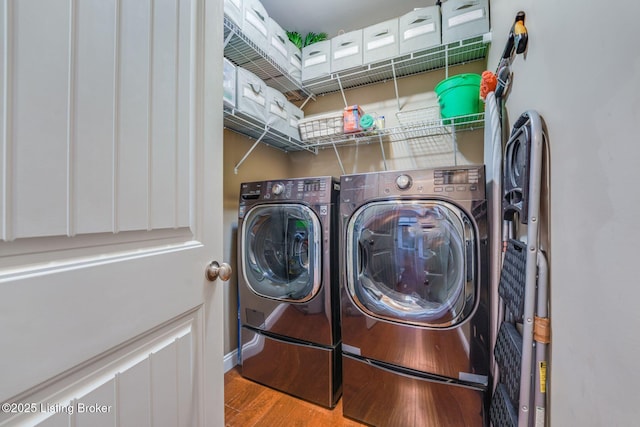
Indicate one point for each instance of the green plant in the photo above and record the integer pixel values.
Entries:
(297, 39)
(312, 38)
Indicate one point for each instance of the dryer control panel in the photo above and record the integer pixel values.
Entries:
(464, 182)
(459, 180)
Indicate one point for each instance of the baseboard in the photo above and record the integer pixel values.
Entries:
(230, 360)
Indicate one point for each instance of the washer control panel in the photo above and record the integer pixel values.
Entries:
(311, 190)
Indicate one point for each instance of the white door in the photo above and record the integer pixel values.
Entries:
(110, 182)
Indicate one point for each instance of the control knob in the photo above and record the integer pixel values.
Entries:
(278, 189)
(403, 182)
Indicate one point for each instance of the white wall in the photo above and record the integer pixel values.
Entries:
(582, 74)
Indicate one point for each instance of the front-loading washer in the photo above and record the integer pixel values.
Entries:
(288, 287)
(414, 304)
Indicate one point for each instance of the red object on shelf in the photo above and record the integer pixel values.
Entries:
(351, 117)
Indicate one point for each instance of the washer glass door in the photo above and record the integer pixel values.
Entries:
(412, 262)
(281, 251)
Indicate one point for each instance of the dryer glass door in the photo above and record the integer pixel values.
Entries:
(412, 262)
(281, 251)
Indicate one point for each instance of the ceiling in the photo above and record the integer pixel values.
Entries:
(335, 16)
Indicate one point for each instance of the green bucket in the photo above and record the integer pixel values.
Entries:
(459, 96)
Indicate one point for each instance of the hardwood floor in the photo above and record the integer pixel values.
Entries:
(248, 404)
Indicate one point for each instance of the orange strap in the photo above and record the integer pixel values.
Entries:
(542, 330)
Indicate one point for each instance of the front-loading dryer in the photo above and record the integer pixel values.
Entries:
(414, 307)
(288, 287)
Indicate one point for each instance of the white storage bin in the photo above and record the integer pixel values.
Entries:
(294, 115)
(251, 97)
(277, 114)
(381, 41)
(420, 29)
(229, 83)
(233, 11)
(462, 19)
(316, 60)
(255, 22)
(346, 51)
(277, 48)
(294, 67)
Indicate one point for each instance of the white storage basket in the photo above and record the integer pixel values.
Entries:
(277, 48)
(293, 69)
(252, 95)
(321, 126)
(462, 19)
(255, 22)
(346, 51)
(277, 113)
(295, 115)
(316, 60)
(381, 41)
(229, 81)
(233, 11)
(294, 66)
(420, 29)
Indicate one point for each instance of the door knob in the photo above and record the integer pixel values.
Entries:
(215, 271)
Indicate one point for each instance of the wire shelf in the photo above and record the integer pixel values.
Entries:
(324, 126)
(246, 125)
(439, 57)
(417, 128)
(243, 52)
